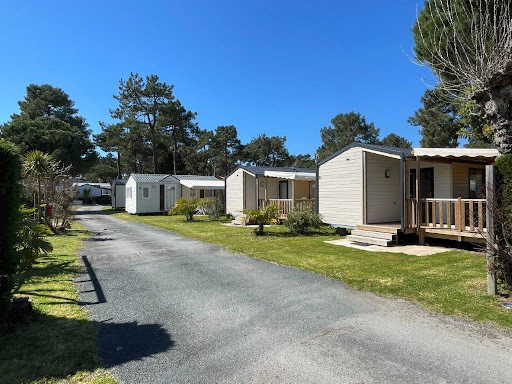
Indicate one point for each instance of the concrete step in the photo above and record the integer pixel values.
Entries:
(368, 240)
(377, 235)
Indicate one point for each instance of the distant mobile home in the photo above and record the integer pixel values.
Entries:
(95, 189)
(382, 192)
(154, 193)
(252, 187)
(118, 195)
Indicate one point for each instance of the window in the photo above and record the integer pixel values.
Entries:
(129, 192)
(192, 193)
(208, 193)
(145, 192)
(476, 183)
(201, 193)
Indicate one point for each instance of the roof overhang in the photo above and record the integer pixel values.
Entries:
(291, 175)
(203, 184)
(468, 154)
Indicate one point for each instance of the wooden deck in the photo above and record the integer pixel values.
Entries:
(455, 219)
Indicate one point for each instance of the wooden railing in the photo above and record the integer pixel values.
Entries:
(464, 215)
(286, 205)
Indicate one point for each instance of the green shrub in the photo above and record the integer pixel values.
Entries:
(33, 241)
(185, 207)
(262, 217)
(212, 207)
(504, 169)
(301, 221)
(10, 174)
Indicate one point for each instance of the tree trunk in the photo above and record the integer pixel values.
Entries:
(38, 199)
(174, 150)
(118, 165)
(153, 146)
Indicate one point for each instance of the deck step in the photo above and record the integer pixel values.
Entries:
(377, 228)
(376, 235)
(368, 240)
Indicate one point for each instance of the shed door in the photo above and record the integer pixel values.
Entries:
(162, 197)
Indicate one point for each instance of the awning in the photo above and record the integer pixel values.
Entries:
(203, 184)
(473, 153)
(291, 175)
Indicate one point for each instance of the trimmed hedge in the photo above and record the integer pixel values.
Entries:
(10, 175)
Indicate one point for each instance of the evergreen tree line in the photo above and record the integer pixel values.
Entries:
(153, 132)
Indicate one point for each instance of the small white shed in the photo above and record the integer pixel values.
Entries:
(151, 193)
(118, 193)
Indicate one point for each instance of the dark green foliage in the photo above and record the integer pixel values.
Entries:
(267, 151)
(393, 140)
(439, 120)
(346, 128)
(163, 124)
(104, 171)
(302, 221)
(33, 239)
(303, 161)
(49, 122)
(504, 167)
(111, 139)
(10, 174)
(226, 148)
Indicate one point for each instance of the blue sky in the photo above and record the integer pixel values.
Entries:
(274, 67)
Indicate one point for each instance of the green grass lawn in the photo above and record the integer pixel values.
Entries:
(453, 282)
(61, 343)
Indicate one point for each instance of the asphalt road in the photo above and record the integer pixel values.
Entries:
(174, 310)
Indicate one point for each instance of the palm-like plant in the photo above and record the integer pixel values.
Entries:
(37, 165)
(262, 217)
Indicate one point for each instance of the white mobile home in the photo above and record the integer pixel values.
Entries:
(118, 195)
(151, 193)
(252, 187)
(95, 189)
(154, 193)
(199, 187)
(382, 192)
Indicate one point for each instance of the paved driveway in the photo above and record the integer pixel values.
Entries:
(171, 309)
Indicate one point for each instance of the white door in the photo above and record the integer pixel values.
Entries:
(170, 198)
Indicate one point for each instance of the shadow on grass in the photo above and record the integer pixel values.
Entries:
(52, 267)
(288, 234)
(55, 347)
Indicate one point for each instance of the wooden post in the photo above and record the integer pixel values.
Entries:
(418, 203)
(492, 288)
(266, 182)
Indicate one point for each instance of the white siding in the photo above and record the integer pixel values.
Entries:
(234, 193)
(185, 192)
(152, 204)
(382, 194)
(120, 196)
(250, 191)
(131, 203)
(340, 191)
(272, 187)
(138, 204)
